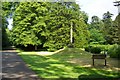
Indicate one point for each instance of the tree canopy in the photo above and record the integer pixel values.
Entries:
(95, 29)
(6, 11)
(48, 25)
(52, 25)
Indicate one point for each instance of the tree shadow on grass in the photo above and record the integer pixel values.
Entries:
(84, 59)
(96, 77)
(55, 69)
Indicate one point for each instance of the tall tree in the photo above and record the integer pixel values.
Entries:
(108, 27)
(116, 30)
(6, 10)
(95, 29)
(66, 17)
(29, 24)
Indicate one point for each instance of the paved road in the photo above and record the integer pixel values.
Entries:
(14, 68)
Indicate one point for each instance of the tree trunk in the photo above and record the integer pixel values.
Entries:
(35, 47)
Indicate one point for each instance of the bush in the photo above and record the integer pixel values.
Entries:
(93, 49)
(114, 52)
(88, 48)
(102, 47)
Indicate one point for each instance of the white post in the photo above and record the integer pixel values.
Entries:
(71, 40)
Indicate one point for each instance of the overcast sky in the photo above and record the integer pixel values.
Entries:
(94, 7)
(98, 7)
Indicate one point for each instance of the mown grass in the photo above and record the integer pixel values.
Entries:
(69, 63)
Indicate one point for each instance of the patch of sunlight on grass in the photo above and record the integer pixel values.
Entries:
(94, 69)
(54, 60)
(71, 75)
(51, 71)
(68, 68)
(58, 65)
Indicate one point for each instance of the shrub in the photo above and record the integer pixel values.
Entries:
(118, 52)
(103, 47)
(88, 48)
(95, 50)
(114, 52)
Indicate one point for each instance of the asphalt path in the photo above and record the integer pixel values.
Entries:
(14, 68)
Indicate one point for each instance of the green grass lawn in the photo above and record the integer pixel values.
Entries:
(69, 63)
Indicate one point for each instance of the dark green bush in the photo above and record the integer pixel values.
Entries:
(95, 50)
(118, 52)
(88, 48)
(114, 52)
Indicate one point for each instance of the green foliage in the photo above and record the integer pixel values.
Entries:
(6, 9)
(48, 25)
(95, 29)
(95, 50)
(60, 32)
(116, 30)
(104, 31)
(5, 39)
(87, 48)
(96, 36)
(29, 24)
(7, 12)
(92, 49)
(114, 52)
(102, 47)
(108, 29)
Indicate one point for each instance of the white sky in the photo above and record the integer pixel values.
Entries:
(10, 23)
(93, 7)
(98, 7)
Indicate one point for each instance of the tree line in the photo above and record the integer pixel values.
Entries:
(105, 31)
(47, 25)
